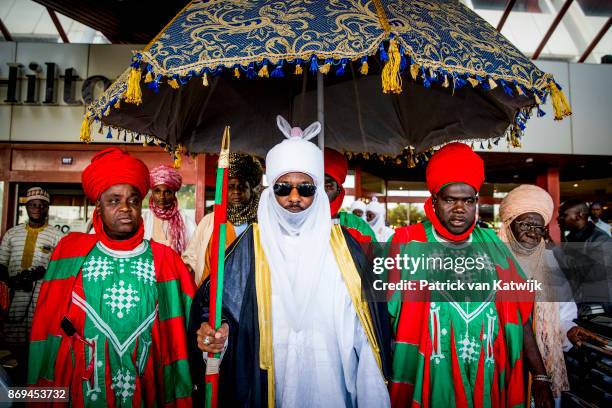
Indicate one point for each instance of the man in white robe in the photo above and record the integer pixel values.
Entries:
(297, 331)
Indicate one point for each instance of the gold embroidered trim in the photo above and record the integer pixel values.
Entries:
(264, 314)
(382, 16)
(352, 281)
(30, 245)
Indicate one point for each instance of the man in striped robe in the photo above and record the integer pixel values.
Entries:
(24, 255)
(110, 323)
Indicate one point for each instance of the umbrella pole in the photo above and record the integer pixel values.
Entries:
(321, 109)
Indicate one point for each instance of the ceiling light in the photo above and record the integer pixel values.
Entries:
(575, 184)
(515, 176)
(529, 160)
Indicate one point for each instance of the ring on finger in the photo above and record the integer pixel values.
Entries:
(206, 341)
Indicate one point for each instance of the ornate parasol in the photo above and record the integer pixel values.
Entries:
(399, 75)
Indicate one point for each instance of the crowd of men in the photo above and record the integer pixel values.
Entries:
(120, 315)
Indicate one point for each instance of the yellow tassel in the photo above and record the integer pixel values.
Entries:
(178, 156)
(263, 72)
(133, 94)
(205, 79)
(173, 83)
(492, 83)
(148, 77)
(445, 84)
(473, 81)
(537, 98)
(515, 141)
(298, 69)
(489, 146)
(117, 104)
(364, 68)
(519, 90)
(324, 69)
(560, 103)
(414, 71)
(391, 79)
(236, 73)
(86, 129)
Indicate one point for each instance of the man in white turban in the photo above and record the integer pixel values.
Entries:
(358, 208)
(297, 329)
(375, 215)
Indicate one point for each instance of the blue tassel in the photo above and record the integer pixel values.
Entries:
(154, 85)
(162, 145)
(314, 66)
(540, 112)
(340, 69)
(483, 83)
(278, 71)
(459, 82)
(481, 145)
(496, 141)
(507, 89)
(426, 82)
(382, 53)
(109, 135)
(135, 64)
(403, 60)
(250, 73)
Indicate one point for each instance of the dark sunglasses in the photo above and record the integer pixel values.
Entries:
(303, 189)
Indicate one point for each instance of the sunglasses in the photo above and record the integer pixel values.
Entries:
(524, 226)
(303, 189)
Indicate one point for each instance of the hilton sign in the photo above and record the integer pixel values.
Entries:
(49, 95)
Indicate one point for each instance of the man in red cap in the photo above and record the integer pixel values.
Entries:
(456, 347)
(336, 169)
(110, 321)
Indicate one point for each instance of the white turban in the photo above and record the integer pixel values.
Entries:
(296, 154)
(359, 205)
(299, 239)
(383, 233)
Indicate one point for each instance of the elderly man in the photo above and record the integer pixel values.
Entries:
(24, 255)
(165, 223)
(376, 216)
(525, 213)
(244, 180)
(110, 323)
(298, 331)
(336, 169)
(457, 348)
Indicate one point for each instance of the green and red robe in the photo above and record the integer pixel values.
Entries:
(453, 352)
(113, 328)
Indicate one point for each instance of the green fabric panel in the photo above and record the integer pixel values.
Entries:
(514, 341)
(349, 220)
(177, 380)
(172, 301)
(405, 362)
(208, 403)
(219, 186)
(43, 367)
(63, 268)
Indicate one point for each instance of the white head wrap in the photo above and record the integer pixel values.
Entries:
(383, 233)
(300, 239)
(359, 205)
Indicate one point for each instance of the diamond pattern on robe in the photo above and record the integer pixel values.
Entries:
(121, 299)
(469, 349)
(123, 384)
(144, 270)
(97, 267)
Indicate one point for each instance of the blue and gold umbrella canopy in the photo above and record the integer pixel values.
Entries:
(445, 75)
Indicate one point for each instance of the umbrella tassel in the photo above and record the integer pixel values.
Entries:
(507, 89)
(133, 94)
(559, 101)
(263, 72)
(324, 69)
(364, 66)
(298, 69)
(445, 84)
(473, 81)
(278, 71)
(86, 129)
(178, 156)
(414, 70)
(109, 135)
(314, 66)
(492, 83)
(205, 79)
(148, 77)
(173, 83)
(391, 79)
(236, 73)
